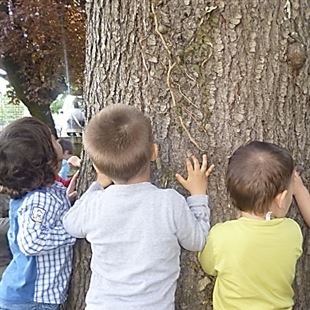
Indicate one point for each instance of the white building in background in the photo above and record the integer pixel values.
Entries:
(3, 83)
(71, 119)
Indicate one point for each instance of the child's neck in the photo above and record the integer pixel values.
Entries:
(253, 216)
(140, 178)
(132, 181)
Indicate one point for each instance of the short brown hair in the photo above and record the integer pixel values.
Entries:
(27, 157)
(119, 141)
(66, 145)
(256, 173)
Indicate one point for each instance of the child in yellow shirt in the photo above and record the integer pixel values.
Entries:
(254, 257)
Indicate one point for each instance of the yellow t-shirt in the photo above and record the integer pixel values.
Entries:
(254, 262)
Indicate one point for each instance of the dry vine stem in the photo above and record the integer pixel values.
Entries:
(168, 80)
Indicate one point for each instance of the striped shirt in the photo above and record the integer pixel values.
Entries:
(42, 250)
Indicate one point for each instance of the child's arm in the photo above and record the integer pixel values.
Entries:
(75, 219)
(206, 257)
(193, 220)
(302, 197)
(39, 231)
(71, 189)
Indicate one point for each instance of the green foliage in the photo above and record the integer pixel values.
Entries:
(11, 97)
(57, 104)
(9, 112)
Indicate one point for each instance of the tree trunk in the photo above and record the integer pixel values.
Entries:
(210, 78)
(40, 107)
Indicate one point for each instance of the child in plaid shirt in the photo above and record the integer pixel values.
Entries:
(38, 275)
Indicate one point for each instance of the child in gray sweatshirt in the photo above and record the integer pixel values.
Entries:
(136, 230)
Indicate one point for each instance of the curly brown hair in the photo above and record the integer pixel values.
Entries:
(27, 157)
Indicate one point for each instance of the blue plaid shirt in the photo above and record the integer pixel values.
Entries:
(42, 250)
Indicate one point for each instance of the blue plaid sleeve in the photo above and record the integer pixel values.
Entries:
(40, 224)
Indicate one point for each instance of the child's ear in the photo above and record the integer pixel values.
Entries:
(280, 199)
(154, 151)
(95, 168)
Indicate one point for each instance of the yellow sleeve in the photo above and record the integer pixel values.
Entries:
(207, 257)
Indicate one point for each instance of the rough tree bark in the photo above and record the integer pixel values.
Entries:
(211, 76)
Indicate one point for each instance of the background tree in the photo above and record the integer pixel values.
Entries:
(211, 76)
(42, 50)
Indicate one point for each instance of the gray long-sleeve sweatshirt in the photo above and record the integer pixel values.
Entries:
(136, 233)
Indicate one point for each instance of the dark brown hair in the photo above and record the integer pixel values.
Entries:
(256, 173)
(119, 141)
(66, 145)
(27, 157)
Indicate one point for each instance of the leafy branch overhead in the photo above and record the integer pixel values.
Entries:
(41, 39)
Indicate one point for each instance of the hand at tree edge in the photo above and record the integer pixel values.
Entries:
(197, 179)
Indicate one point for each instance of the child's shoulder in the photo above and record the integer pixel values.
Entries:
(290, 222)
(287, 224)
(163, 196)
(224, 226)
(51, 195)
(36, 195)
(170, 193)
(49, 191)
(291, 226)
